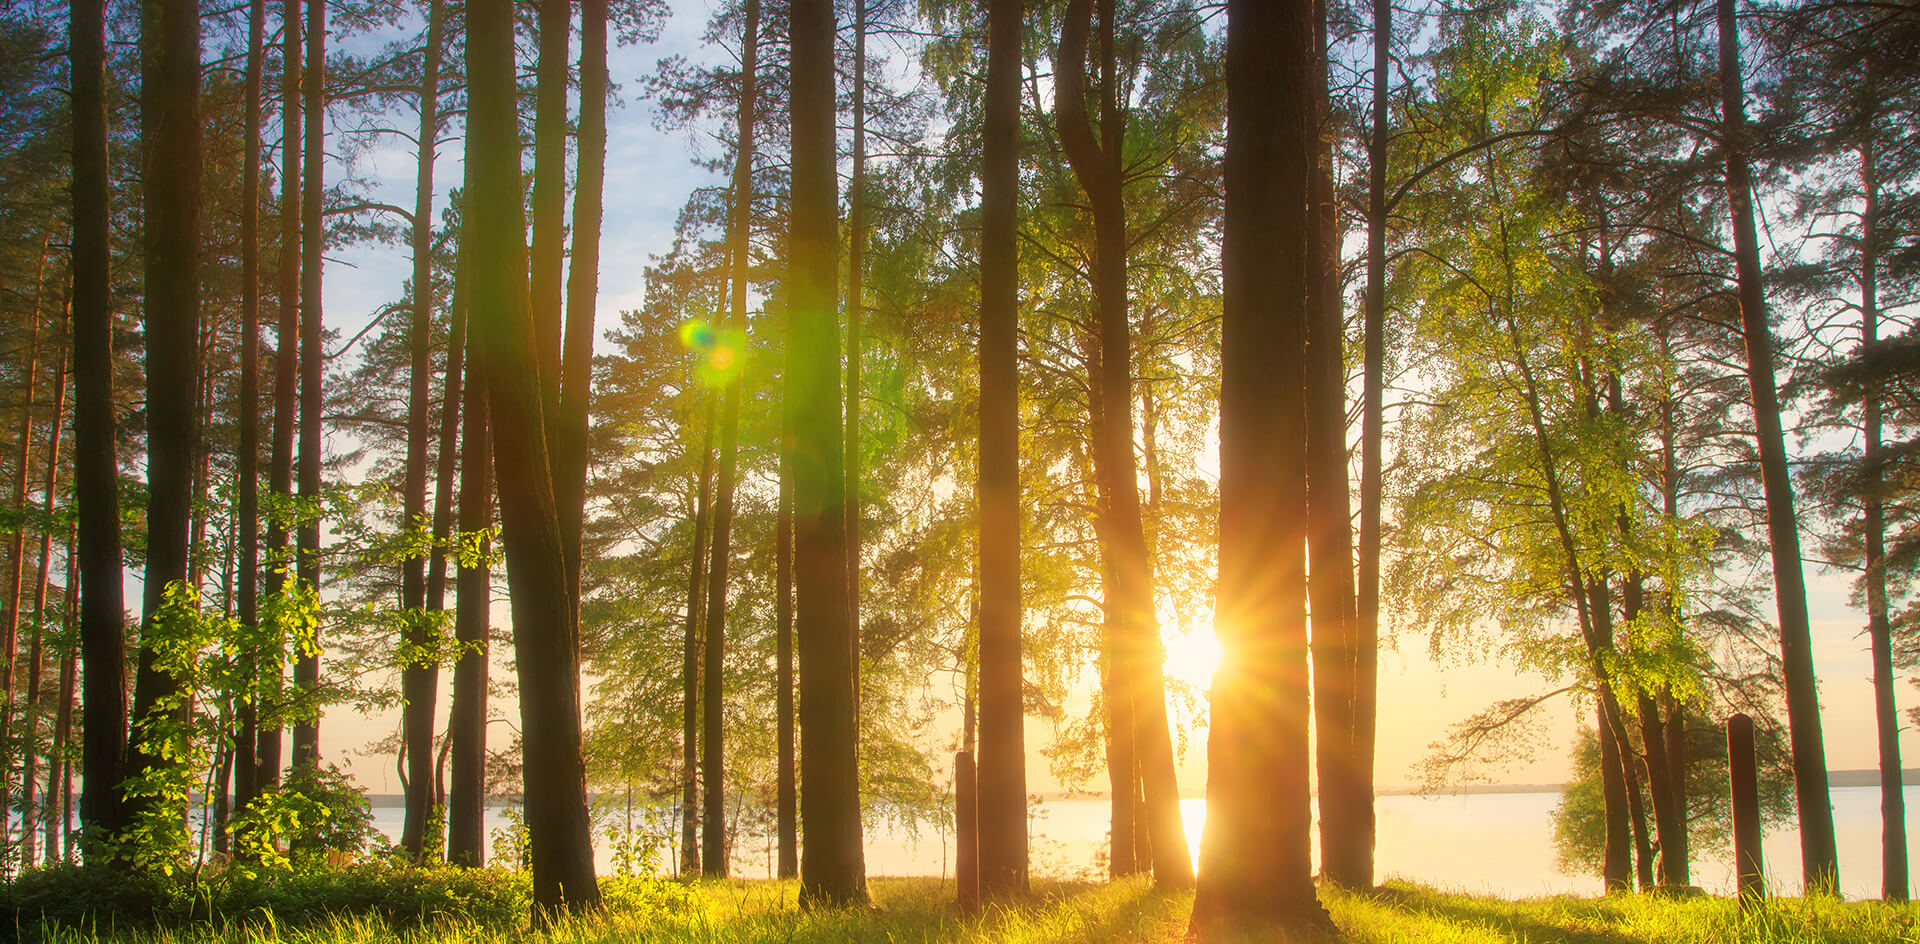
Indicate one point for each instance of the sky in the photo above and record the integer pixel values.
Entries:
(649, 175)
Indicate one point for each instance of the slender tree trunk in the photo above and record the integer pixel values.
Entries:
(420, 660)
(544, 621)
(60, 769)
(1098, 165)
(306, 667)
(833, 870)
(246, 499)
(1893, 806)
(1255, 853)
(17, 548)
(1675, 849)
(1819, 862)
(33, 709)
(548, 203)
(690, 665)
(856, 324)
(1002, 771)
(583, 288)
(1372, 415)
(787, 790)
(170, 173)
(1617, 861)
(96, 465)
(269, 673)
(1346, 778)
(473, 600)
(713, 764)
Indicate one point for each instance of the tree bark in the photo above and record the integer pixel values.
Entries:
(1001, 776)
(270, 674)
(246, 500)
(1893, 806)
(1098, 166)
(1255, 853)
(170, 174)
(96, 464)
(544, 621)
(1616, 868)
(583, 288)
(17, 543)
(833, 870)
(59, 834)
(548, 203)
(1820, 864)
(420, 645)
(1339, 659)
(473, 601)
(306, 666)
(856, 325)
(690, 666)
(787, 814)
(1372, 414)
(32, 710)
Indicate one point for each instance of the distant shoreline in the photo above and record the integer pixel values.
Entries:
(1862, 777)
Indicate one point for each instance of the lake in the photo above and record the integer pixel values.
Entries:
(1490, 843)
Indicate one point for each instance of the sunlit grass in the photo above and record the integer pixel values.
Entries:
(921, 911)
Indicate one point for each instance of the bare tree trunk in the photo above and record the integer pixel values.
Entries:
(1256, 862)
(96, 464)
(787, 790)
(583, 288)
(1001, 776)
(856, 324)
(1372, 418)
(690, 666)
(269, 672)
(473, 599)
(545, 630)
(60, 769)
(33, 709)
(833, 870)
(1098, 165)
(306, 666)
(17, 546)
(549, 199)
(246, 498)
(170, 173)
(1819, 862)
(420, 658)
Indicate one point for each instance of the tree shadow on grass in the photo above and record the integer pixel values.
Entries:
(1584, 922)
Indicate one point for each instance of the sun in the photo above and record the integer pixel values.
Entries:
(1193, 656)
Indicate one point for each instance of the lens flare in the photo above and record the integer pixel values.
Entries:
(699, 336)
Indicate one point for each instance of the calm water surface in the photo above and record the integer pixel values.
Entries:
(1500, 844)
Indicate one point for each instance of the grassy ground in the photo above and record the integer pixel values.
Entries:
(920, 911)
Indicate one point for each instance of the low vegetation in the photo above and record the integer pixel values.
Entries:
(382, 905)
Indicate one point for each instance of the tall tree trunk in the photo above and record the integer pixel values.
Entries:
(583, 287)
(1616, 869)
(1675, 849)
(739, 254)
(1002, 770)
(787, 791)
(549, 204)
(1339, 660)
(856, 325)
(246, 500)
(833, 870)
(1098, 165)
(95, 461)
(170, 174)
(1372, 414)
(420, 660)
(17, 548)
(1255, 852)
(1600, 647)
(544, 621)
(269, 672)
(306, 667)
(1819, 862)
(473, 600)
(1893, 805)
(690, 665)
(32, 710)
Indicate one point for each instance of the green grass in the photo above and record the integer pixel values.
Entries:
(920, 911)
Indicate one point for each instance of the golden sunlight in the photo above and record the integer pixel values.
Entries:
(1193, 655)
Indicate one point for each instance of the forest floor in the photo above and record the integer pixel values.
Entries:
(920, 911)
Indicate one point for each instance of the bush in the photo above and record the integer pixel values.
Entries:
(96, 898)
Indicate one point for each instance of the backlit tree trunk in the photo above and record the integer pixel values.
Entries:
(32, 710)
(170, 174)
(544, 619)
(583, 287)
(96, 464)
(690, 666)
(1819, 862)
(473, 598)
(1255, 859)
(246, 500)
(787, 814)
(1001, 775)
(306, 666)
(17, 542)
(833, 869)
